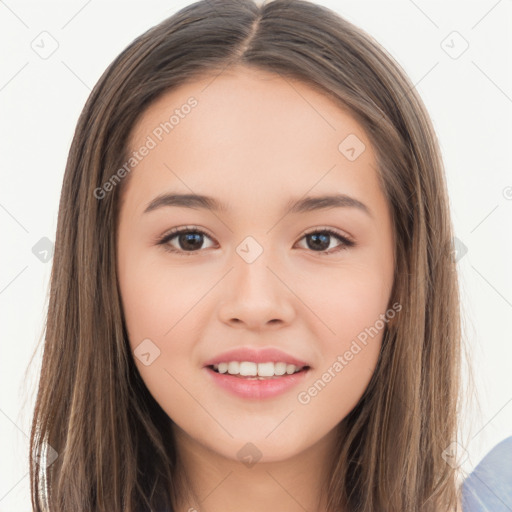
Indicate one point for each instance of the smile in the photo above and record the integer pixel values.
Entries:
(256, 386)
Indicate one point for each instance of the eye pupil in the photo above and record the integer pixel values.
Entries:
(322, 237)
(187, 238)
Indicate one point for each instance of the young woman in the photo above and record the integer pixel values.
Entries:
(254, 300)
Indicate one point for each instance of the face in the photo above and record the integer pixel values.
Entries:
(256, 273)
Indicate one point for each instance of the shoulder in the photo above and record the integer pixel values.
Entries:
(489, 486)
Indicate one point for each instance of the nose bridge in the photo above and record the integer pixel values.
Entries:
(252, 269)
(255, 295)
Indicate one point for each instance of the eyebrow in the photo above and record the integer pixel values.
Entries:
(303, 205)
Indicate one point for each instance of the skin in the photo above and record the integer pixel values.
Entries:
(254, 141)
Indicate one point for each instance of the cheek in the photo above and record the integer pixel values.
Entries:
(161, 308)
(157, 300)
(164, 308)
(346, 300)
(349, 307)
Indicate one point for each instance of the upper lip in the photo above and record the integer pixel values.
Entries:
(263, 355)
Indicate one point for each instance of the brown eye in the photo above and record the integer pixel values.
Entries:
(188, 240)
(320, 241)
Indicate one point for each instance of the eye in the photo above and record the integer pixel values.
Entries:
(320, 241)
(190, 240)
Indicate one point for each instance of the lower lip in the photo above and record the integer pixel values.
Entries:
(247, 388)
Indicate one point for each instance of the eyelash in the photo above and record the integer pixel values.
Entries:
(164, 240)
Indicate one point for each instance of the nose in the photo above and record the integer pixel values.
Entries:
(256, 295)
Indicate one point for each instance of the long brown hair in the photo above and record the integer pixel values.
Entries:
(115, 448)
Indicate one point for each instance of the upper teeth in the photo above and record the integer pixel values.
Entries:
(261, 369)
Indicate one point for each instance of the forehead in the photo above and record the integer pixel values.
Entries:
(260, 100)
(250, 130)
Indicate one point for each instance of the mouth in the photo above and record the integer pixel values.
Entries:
(257, 371)
(256, 387)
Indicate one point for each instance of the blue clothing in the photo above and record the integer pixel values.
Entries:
(488, 488)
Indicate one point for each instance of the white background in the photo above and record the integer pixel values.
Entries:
(469, 99)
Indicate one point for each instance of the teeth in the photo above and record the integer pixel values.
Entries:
(233, 367)
(250, 369)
